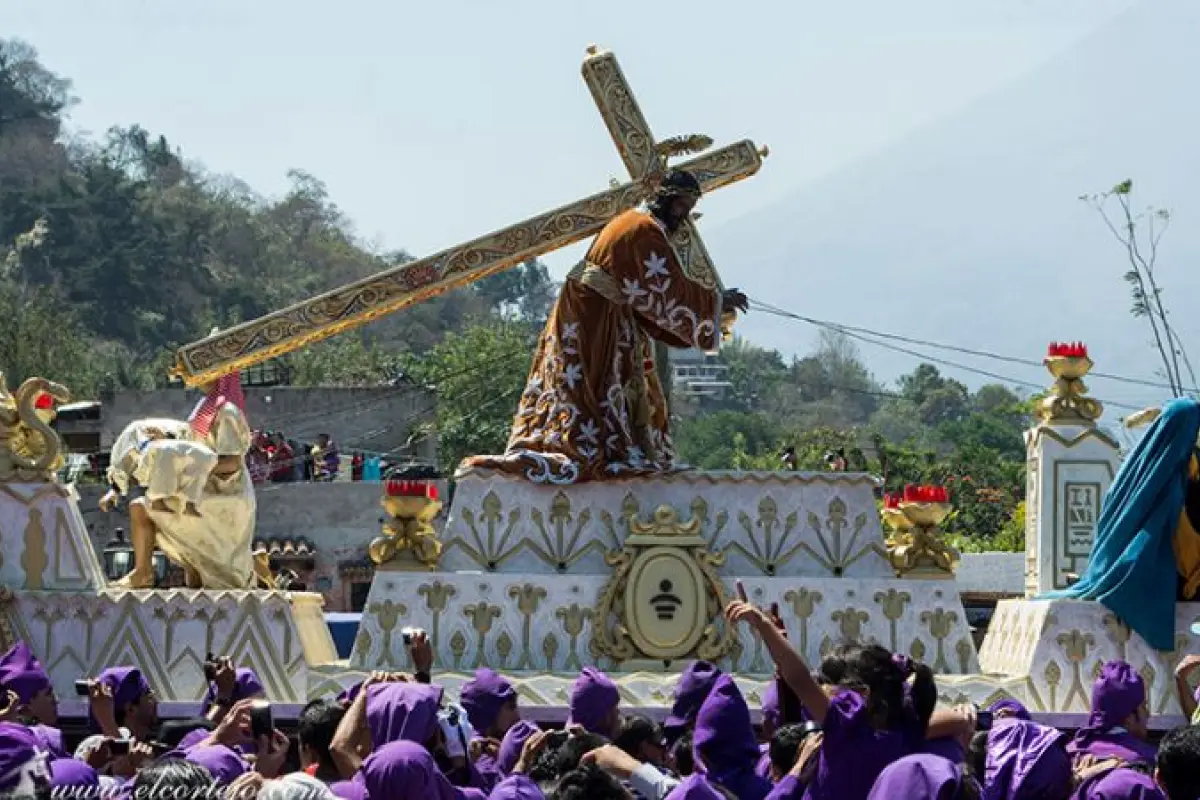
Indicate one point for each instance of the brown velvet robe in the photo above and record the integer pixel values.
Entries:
(593, 408)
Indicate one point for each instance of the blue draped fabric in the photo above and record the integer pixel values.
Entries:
(1132, 569)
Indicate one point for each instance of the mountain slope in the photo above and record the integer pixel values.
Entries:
(970, 231)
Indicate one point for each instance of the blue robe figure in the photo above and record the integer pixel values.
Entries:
(1145, 536)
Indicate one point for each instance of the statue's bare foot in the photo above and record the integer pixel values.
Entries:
(138, 579)
(160, 505)
(191, 510)
(192, 579)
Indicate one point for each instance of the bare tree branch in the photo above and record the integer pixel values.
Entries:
(1136, 276)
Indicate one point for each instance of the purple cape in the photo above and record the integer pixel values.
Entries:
(723, 743)
(402, 711)
(22, 673)
(853, 753)
(402, 770)
(18, 749)
(483, 697)
(695, 787)
(245, 684)
(50, 740)
(350, 693)
(353, 789)
(221, 761)
(1025, 760)
(695, 682)
(516, 787)
(66, 772)
(1119, 784)
(593, 698)
(922, 777)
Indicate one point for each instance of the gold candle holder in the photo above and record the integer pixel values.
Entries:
(915, 550)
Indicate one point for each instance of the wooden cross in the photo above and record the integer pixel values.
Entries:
(358, 303)
(639, 150)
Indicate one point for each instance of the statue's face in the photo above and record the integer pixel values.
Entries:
(228, 467)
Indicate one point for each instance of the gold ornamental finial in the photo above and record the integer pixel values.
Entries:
(1068, 403)
(915, 550)
(764, 151)
(593, 49)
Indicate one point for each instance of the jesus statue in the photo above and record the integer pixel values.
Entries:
(593, 407)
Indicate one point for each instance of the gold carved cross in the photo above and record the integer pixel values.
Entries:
(384, 293)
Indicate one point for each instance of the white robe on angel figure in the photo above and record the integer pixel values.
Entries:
(217, 543)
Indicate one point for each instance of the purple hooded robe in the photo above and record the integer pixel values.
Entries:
(402, 711)
(1117, 693)
(919, 777)
(593, 698)
(1026, 761)
(404, 770)
(723, 743)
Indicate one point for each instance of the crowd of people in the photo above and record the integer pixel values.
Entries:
(862, 726)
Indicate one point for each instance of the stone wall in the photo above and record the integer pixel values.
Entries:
(379, 419)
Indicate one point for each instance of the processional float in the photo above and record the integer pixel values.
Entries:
(539, 581)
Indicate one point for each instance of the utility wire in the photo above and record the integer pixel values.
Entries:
(1027, 362)
(877, 338)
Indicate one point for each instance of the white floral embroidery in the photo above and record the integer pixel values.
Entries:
(656, 265)
(572, 374)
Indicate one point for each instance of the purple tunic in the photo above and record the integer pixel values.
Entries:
(223, 762)
(402, 711)
(1026, 760)
(353, 789)
(789, 788)
(516, 787)
(593, 698)
(65, 772)
(404, 770)
(853, 753)
(919, 777)
(695, 683)
(1119, 784)
(18, 752)
(50, 740)
(694, 787)
(723, 743)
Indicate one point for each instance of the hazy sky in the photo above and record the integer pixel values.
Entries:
(437, 121)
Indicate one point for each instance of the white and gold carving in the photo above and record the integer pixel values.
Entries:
(1069, 469)
(769, 524)
(167, 633)
(1045, 653)
(43, 541)
(663, 600)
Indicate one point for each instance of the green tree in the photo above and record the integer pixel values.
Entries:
(711, 441)
(477, 376)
